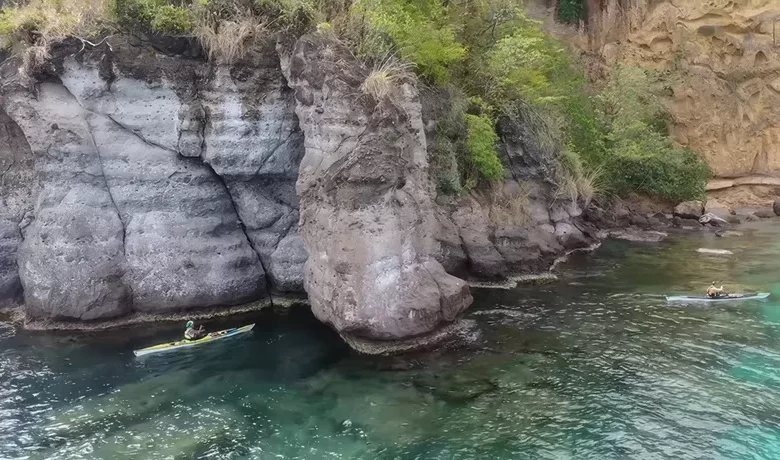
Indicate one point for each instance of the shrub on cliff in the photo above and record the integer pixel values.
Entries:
(481, 143)
(640, 157)
(417, 31)
(157, 15)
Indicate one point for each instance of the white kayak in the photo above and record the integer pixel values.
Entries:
(704, 298)
(184, 343)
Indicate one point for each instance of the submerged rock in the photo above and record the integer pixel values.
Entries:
(367, 216)
(728, 233)
(713, 220)
(720, 252)
(636, 235)
(764, 213)
(718, 209)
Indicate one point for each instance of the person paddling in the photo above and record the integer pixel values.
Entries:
(193, 334)
(714, 292)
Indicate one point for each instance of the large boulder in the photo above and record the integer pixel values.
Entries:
(764, 213)
(367, 216)
(570, 236)
(689, 209)
(718, 209)
(484, 259)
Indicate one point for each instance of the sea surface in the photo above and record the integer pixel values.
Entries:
(597, 366)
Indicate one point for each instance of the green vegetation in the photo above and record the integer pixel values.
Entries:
(571, 10)
(157, 15)
(419, 32)
(172, 19)
(40, 21)
(481, 144)
(492, 61)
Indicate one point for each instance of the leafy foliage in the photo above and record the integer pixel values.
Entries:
(481, 144)
(490, 55)
(157, 15)
(571, 10)
(419, 33)
(172, 19)
(641, 157)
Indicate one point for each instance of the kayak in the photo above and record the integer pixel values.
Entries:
(704, 298)
(184, 343)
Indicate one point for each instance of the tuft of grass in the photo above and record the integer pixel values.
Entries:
(574, 181)
(229, 40)
(33, 57)
(384, 80)
(449, 184)
(509, 208)
(42, 21)
(294, 14)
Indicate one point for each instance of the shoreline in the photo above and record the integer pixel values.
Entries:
(16, 317)
(15, 314)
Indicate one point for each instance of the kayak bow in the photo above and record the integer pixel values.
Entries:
(685, 298)
(214, 336)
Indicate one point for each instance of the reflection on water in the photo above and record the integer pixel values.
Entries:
(597, 366)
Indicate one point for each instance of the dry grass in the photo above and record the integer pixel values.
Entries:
(384, 80)
(46, 20)
(575, 182)
(509, 208)
(228, 40)
(33, 57)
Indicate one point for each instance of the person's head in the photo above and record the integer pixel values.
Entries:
(713, 284)
(191, 324)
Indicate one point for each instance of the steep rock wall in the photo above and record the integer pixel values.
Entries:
(163, 186)
(725, 57)
(139, 181)
(18, 183)
(366, 201)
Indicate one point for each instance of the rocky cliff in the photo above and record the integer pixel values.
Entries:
(724, 58)
(139, 178)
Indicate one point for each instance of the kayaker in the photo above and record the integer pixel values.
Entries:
(714, 292)
(193, 334)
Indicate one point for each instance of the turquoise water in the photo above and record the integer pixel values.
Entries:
(597, 366)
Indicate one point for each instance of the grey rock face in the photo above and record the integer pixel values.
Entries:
(253, 141)
(71, 263)
(183, 241)
(188, 172)
(367, 217)
(18, 181)
(483, 256)
(18, 187)
(776, 207)
(10, 285)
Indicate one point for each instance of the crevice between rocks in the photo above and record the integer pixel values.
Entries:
(102, 169)
(241, 224)
(203, 146)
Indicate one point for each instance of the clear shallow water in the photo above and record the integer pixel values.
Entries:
(597, 366)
